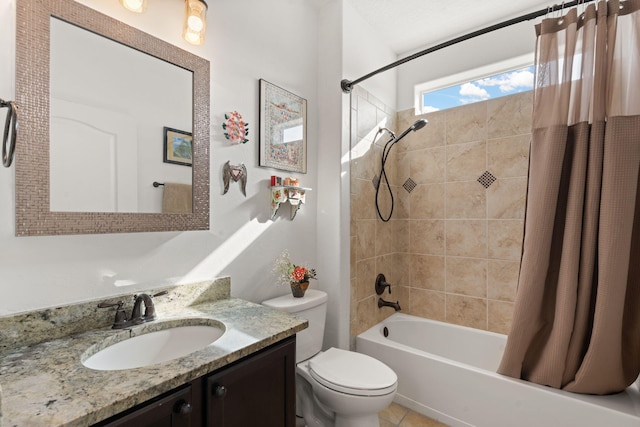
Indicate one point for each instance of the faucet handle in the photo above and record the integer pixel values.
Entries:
(121, 317)
(160, 294)
(107, 304)
(381, 284)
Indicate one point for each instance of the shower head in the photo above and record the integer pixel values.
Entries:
(419, 124)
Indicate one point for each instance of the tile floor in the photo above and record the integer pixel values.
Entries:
(398, 416)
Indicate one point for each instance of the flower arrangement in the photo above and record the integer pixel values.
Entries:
(288, 272)
(236, 129)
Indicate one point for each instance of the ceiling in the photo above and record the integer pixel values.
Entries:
(409, 25)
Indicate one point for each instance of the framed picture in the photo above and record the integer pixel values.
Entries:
(283, 129)
(178, 147)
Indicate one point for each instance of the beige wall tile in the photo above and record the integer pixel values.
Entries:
(389, 236)
(401, 242)
(365, 278)
(366, 315)
(427, 272)
(509, 115)
(383, 200)
(466, 162)
(402, 203)
(427, 202)
(509, 157)
(432, 135)
(427, 236)
(466, 238)
(506, 198)
(403, 161)
(427, 166)
(466, 311)
(466, 276)
(367, 117)
(365, 160)
(500, 316)
(426, 303)
(505, 239)
(465, 200)
(353, 305)
(365, 193)
(502, 279)
(366, 238)
(352, 255)
(467, 123)
(395, 268)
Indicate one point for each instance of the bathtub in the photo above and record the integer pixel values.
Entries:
(447, 372)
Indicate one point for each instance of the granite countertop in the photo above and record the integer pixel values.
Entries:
(46, 384)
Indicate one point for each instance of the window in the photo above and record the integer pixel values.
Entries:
(470, 91)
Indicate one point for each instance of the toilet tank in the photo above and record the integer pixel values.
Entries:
(312, 307)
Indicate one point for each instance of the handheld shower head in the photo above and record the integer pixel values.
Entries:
(419, 124)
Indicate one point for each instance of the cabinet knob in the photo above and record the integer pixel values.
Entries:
(219, 391)
(183, 408)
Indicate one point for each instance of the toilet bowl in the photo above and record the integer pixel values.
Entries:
(348, 389)
(334, 387)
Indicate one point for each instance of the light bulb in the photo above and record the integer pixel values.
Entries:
(138, 6)
(193, 37)
(195, 23)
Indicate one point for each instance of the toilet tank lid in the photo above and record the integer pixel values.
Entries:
(288, 303)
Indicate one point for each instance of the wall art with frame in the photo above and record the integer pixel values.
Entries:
(283, 129)
(178, 147)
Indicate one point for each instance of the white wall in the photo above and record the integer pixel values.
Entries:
(365, 51)
(246, 40)
(510, 42)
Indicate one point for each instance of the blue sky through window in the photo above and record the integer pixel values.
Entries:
(478, 90)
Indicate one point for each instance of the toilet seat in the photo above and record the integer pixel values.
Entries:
(352, 373)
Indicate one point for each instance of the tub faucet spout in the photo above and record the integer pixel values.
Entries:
(383, 303)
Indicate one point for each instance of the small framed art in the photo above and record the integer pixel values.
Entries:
(178, 147)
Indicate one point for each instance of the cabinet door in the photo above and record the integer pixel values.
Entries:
(258, 391)
(171, 410)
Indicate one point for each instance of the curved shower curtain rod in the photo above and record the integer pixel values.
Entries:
(347, 85)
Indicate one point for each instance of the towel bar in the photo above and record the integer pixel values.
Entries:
(11, 123)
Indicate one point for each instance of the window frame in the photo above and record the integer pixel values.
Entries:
(468, 76)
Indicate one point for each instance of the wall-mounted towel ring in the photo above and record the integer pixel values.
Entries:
(11, 124)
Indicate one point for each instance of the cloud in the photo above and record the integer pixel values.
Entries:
(509, 82)
(429, 109)
(472, 91)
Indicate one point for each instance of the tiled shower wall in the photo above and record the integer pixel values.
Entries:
(451, 250)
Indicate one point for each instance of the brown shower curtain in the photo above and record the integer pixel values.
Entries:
(576, 323)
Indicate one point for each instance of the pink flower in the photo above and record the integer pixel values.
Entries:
(298, 274)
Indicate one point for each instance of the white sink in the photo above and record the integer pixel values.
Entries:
(170, 342)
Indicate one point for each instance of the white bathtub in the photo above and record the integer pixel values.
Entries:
(447, 372)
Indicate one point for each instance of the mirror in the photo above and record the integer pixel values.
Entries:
(75, 174)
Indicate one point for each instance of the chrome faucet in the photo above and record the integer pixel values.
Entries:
(137, 317)
(383, 303)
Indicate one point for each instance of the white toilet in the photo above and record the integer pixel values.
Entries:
(334, 387)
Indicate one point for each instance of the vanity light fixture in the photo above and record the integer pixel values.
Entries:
(195, 17)
(195, 21)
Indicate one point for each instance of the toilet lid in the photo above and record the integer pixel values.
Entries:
(352, 373)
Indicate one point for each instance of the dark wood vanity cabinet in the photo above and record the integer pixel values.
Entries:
(178, 408)
(258, 390)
